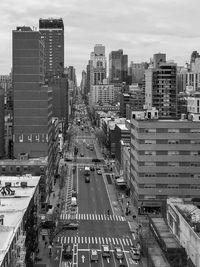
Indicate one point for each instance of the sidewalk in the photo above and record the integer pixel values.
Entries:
(54, 199)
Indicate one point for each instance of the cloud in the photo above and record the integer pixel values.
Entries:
(140, 28)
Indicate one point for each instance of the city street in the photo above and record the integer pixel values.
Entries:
(97, 224)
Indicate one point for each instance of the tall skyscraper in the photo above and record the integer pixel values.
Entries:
(32, 99)
(2, 139)
(118, 67)
(97, 65)
(161, 89)
(52, 31)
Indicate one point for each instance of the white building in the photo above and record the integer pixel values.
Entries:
(184, 221)
(17, 195)
(102, 94)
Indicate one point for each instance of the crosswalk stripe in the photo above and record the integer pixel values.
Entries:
(113, 241)
(117, 241)
(131, 243)
(99, 240)
(124, 241)
(88, 239)
(82, 239)
(87, 216)
(85, 239)
(103, 240)
(106, 240)
(96, 240)
(78, 241)
(109, 239)
(102, 216)
(68, 238)
(92, 239)
(74, 239)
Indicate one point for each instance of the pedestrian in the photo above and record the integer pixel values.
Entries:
(45, 244)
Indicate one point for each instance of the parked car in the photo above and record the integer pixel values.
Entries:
(70, 226)
(105, 251)
(99, 172)
(135, 254)
(94, 255)
(92, 168)
(67, 252)
(81, 155)
(118, 253)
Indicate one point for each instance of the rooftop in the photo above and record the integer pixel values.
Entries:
(189, 211)
(13, 206)
(33, 161)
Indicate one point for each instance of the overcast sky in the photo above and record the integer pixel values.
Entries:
(141, 28)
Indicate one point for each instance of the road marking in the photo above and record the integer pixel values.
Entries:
(100, 240)
(106, 240)
(96, 240)
(109, 239)
(82, 239)
(85, 239)
(113, 241)
(88, 239)
(92, 239)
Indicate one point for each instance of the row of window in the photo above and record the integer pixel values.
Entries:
(165, 141)
(171, 164)
(170, 186)
(165, 130)
(160, 197)
(169, 153)
(196, 176)
(20, 168)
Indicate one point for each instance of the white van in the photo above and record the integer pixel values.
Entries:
(74, 201)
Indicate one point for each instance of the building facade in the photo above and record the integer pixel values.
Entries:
(52, 31)
(161, 89)
(118, 67)
(97, 65)
(164, 160)
(2, 123)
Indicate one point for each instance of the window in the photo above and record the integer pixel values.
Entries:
(195, 130)
(150, 175)
(173, 186)
(150, 141)
(173, 164)
(195, 186)
(171, 153)
(150, 163)
(150, 153)
(173, 175)
(195, 164)
(149, 186)
(18, 168)
(150, 130)
(194, 153)
(173, 141)
(3, 168)
(173, 130)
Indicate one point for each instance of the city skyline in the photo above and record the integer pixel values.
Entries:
(140, 28)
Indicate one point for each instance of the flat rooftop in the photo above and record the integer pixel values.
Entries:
(13, 207)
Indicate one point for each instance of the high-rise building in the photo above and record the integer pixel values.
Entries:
(97, 65)
(136, 71)
(2, 139)
(164, 159)
(161, 89)
(158, 59)
(32, 99)
(52, 31)
(118, 67)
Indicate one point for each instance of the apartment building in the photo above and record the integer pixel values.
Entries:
(165, 159)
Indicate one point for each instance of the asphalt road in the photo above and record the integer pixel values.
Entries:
(95, 226)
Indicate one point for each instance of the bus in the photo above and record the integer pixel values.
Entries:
(87, 171)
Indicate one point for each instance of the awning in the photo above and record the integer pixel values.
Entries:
(120, 181)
